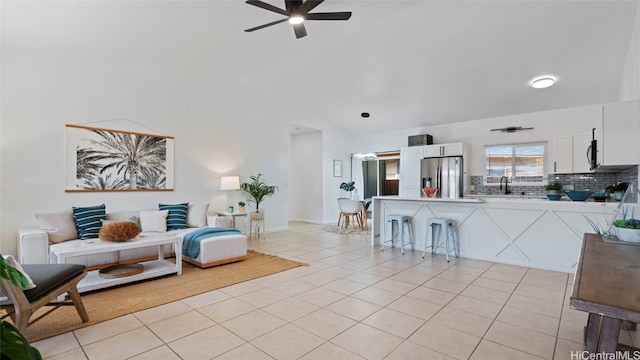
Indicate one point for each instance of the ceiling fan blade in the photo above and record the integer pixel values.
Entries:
(266, 6)
(265, 25)
(307, 6)
(329, 16)
(291, 5)
(299, 30)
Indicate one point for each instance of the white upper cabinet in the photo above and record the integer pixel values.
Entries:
(570, 153)
(617, 131)
(454, 149)
(617, 134)
(581, 147)
(562, 161)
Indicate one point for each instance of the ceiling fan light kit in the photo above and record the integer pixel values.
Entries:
(542, 82)
(296, 19)
(296, 12)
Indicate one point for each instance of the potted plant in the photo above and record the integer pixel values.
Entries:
(627, 229)
(553, 191)
(553, 188)
(256, 191)
(349, 187)
(241, 206)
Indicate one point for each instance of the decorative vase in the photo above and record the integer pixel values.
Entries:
(355, 195)
(628, 235)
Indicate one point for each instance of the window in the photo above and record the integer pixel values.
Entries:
(522, 164)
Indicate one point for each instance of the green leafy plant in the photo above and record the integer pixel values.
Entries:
(241, 203)
(257, 190)
(348, 186)
(14, 346)
(553, 186)
(627, 223)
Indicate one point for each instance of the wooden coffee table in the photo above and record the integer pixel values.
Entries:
(62, 253)
(606, 286)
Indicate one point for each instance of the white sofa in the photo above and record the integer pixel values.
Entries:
(34, 244)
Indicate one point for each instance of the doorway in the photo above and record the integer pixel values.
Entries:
(381, 176)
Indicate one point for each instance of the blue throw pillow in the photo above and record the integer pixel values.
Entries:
(89, 220)
(177, 218)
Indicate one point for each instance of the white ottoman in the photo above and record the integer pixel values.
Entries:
(220, 250)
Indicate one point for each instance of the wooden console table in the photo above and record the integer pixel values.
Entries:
(607, 286)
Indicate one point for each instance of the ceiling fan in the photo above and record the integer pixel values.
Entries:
(297, 11)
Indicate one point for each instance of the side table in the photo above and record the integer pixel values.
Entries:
(233, 217)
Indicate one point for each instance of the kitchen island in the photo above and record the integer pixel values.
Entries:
(513, 230)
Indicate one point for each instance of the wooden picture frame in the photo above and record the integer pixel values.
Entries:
(337, 168)
(100, 160)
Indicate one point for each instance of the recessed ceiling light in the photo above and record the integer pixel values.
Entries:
(543, 81)
(296, 19)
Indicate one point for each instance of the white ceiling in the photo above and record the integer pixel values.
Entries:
(409, 63)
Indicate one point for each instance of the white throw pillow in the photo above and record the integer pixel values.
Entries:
(12, 262)
(154, 221)
(197, 215)
(59, 226)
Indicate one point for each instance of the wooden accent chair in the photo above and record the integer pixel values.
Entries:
(51, 280)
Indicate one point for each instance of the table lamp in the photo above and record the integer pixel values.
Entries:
(230, 184)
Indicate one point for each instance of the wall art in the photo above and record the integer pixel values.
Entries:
(114, 160)
(337, 168)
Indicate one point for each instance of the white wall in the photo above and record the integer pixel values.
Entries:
(630, 80)
(305, 199)
(216, 133)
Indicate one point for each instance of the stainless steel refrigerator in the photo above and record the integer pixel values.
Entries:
(445, 174)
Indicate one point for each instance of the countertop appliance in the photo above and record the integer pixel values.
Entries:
(446, 174)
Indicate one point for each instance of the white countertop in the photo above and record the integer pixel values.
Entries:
(521, 199)
(408, 198)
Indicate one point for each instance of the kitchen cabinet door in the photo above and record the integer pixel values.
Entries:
(581, 143)
(563, 153)
(454, 149)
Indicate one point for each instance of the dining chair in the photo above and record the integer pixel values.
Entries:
(351, 211)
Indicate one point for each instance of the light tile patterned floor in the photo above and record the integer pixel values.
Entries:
(352, 302)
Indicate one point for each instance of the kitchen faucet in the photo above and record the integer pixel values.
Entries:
(506, 185)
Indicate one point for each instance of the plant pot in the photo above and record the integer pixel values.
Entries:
(257, 215)
(241, 209)
(554, 197)
(628, 235)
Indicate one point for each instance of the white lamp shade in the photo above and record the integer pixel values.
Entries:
(230, 183)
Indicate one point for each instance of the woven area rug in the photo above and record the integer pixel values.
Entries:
(336, 229)
(111, 303)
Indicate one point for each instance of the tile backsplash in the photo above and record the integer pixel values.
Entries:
(586, 181)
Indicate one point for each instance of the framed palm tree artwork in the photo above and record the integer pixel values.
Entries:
(113, 160)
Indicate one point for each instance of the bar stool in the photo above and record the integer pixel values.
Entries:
(401, 223)
(437, 226)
